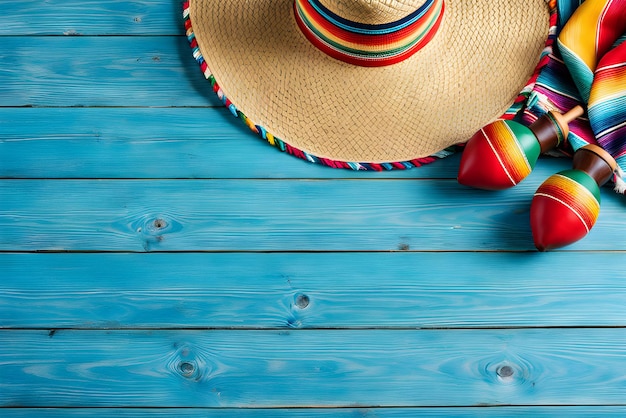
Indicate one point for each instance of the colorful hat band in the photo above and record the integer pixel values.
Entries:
(364, 44)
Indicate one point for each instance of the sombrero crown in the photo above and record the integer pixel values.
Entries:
(363, 80)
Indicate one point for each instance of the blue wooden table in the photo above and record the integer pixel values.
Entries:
(158, 259)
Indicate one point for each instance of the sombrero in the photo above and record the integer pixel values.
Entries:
(352, 83)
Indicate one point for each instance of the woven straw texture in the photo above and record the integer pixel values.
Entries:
(469, 74)
(373, 12)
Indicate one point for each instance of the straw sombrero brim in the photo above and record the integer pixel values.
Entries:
(469, 74)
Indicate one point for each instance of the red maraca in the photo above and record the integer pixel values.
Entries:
(504, 152)
(567, 204)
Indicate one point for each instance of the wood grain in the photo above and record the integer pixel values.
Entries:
(102, 17)
(266, 215)
(458, 412)
(100, 71)
(322, 368)
(324, 290)
(158, 259)
(156, 143)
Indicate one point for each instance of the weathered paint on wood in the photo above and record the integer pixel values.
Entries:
(158, 143)
(101, 71)
(367, 368)
(101, 17)
(264, 243)
(308, 291)
(458, 412)
(286, 215)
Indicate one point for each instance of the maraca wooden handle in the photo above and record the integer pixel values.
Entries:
(572, 114)
(553, 128)
(596, 162)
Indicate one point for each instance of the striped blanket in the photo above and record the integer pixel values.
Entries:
(584, 63)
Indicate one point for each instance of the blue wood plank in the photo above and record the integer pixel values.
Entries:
(92, 17)
(101, 71)
(526, 411)
(156, 143)
(356, 260)
(324, 290)
(262, 215)
(324, 368)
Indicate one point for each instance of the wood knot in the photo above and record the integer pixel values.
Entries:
(159, 223)
(505, 372)
(302, 301)
(186, 368)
